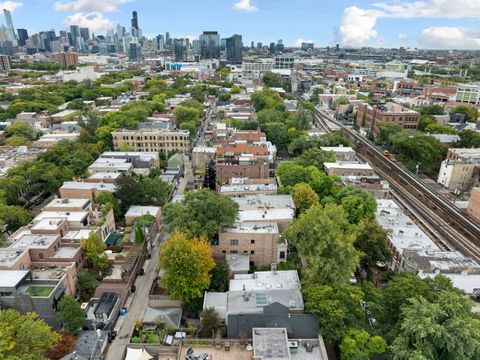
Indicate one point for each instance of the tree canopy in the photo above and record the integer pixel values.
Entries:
(24, 336)
(201, 213)
(70, 314)
(187, 264)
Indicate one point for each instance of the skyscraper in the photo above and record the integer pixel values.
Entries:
(252, 45)
(85, 33)
(134, 52)
(234, 49)
(10, 29)
(210, 45)
(74, 35)
(168, 41)
(135, 20)
(22, 36)
(272, 48)
(180, 50)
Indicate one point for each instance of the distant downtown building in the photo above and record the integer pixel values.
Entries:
(67, 59)
(158, 140)
(209, 45)
(234, 47)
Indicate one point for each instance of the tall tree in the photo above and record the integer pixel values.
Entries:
(360, 345)
(441, 330)
(372, 241)
(337, 308)
(70, 315)
(358, 203)
(187, 264)
(324, 237)
(209, 323)
(129, 192)
(304, 197)
(87, 283)
(24, 336)
(201, 213)
(94, 249)
(315, 157)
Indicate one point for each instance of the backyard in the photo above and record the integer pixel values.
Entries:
(40, 290)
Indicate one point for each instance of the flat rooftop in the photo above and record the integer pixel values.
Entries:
(77, 234)
(139, 154)
(66, 252)
(405, 234)
(337, 149)
(34, 241)
(11, 278)
(271, 343)
(105, 175)
(80, 185)
(265, 215)
(68, 203)
(262, 280)
(73, 216)
(269, 227)
(204, 149)
(48, 224)
(247, 188)
(263, 201)
(347, 165)
(137, 211)
(8, 256)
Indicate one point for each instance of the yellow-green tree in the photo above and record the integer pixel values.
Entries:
(24, 337)
(304, 197)
(187, 264)
(95, 251)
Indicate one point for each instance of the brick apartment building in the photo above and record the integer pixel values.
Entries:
(155, 140)
(371, 117)
(259, 240)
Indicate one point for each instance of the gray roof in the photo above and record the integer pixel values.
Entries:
(299, 326)
(11, 278)
(171, 316)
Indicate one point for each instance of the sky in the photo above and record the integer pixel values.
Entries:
(434, 24)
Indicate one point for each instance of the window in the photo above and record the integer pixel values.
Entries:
(233, 242)
(252, 241)
(233, 252)
(40, 255)
(282, 255)
(252, 252)
(245, 252)
(224, 251)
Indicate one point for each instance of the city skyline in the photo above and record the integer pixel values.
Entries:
(437, 24)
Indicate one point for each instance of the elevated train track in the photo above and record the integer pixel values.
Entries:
(453, 228)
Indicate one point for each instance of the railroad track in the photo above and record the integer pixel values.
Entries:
(459, 232)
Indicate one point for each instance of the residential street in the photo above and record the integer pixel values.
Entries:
(136, 304)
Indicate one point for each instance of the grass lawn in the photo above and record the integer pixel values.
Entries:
(38, 290)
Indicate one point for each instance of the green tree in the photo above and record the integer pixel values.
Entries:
(315, 157)
(337, 308)
(271, 116)
(271, 79)
(266, 99)
(372, 241)
(358, 203)
(155, 191)
(470, 111)
(108, 201)
(220, 277)
(129, 192)
(304, 197)
(187, 264)
(201, 213)
(400, 289)
(70, 315)
(360, 345)
(325, 238)
(469, 139)
(14, 217)
(87, 284)
(24, 336)
(440, 330)
(20, 129)
(291, 173)
(17, 140)
(431, 110)
(277, 133)
(94, 249)
(439, 129)
(209, 323)
(186, 114)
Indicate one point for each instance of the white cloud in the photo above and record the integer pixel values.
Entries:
(10, 5)
(446, 37)
(95, 21)
(299, 42)
(358, 25)
(403, 38)
(245, 5)
(87, 6)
